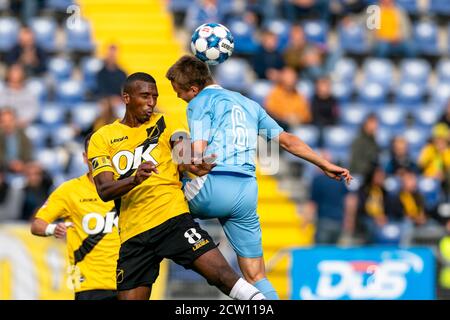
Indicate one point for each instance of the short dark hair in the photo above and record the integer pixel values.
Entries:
(87, 138)
(189, 71)
(138, 76)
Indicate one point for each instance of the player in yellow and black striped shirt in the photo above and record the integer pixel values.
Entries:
(92, 235)
(133, 165)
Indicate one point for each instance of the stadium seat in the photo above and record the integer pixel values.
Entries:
(415, 70)
(306, 88)
(426, 116)
(63, 134)
(344, 70)
(410, 94)
(259, 90)
(384, 136)
(353, 115)
(69, 92)
(9, 30)
(316, 31)
(244, 37)
(342, 91)
(44, 30)
(60, 68)
(443, 70)
(52, 115)
(38, 135)
(379, 71)
(426, 38)
(58, 5)
(233, 74)
(90, 66)
(441, 7)
(38, 87)
(84, 114)
(308, 133)
(392, 184)
(352, 38)
(78, 37)
(440, 94)
(372, 94)
(179, 5)
(417, 137)
(281, 28)
(52, 160)
(431, 191)
(410, 6)
(338, 137)
(392, 117)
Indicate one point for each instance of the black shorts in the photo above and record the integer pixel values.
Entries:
(96, 295)
(180, 239)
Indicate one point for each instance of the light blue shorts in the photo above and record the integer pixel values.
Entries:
(232, 198)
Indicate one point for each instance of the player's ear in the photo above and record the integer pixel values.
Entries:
(126, 97)
(195, 90)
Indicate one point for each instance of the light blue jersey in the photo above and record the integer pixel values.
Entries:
(230, 123)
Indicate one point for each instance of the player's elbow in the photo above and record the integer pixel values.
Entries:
(288, 141)
(104, 195)
(35, 229)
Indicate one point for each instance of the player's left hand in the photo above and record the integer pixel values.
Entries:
(337, 173)
(200, 168)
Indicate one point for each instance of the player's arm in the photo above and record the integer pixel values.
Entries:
(42, 228)
(109, 189)
(297, 147)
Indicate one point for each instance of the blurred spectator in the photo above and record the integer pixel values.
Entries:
(328, 206)
(202, 11)
(27, 53)
(365, 150)
(324, 106)
(392, 37)
(412, 202)
(10, 199)
(375, 206)
(15, 147)
(446, 116)
(111, 77)
(399, 158)
(36, 190)
(17, 97)
(26, 9)
(296, 10)
(285, 104)
(434, 158)
(268, 60)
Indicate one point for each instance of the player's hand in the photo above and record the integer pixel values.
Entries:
(144, 171)
(61, 229)
(203, 166)
(337, 173)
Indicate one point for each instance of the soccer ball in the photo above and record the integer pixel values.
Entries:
(212, 43)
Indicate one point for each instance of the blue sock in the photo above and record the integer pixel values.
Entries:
(266, 289)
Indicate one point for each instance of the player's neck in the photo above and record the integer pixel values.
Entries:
(130, 121)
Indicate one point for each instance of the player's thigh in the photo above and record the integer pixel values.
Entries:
(138, 264)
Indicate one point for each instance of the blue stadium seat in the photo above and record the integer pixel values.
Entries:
(379, 71)
(179, 5)
(338, 137)
(306, 88)
(427, 116)
(308, 133)
(426, 38)
(410, 94)
(352, 38)
(443, 70)
(281, 28)
(52, 115)
(59, 5)
(417, 137)
(60, 68)
(84, 114)
(440, 94)
(342, 91)
(38, 87)
(233, 74)
(410, 6)
(9, 30)
(38, 134)
(52, 160)
(372, 94)
(441, 7)
(316, 31)
(392, 184)
(259, 90)
(415, 70)
(345, 70)
(70, 92)
(244, 37)
(90, 66)
(384, 136)
(44, 30)
(353, 115)
(431, 191)
(392, 117)
(63, 134)
(78, 37)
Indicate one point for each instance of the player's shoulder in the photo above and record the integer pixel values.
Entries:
(106, 131)
(69, 185)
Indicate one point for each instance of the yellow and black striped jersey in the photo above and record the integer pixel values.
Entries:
(93, 242)
(120, 149)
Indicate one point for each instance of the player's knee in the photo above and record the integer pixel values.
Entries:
(254, 275)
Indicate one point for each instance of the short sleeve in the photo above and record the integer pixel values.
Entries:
(55, 207)
(98, 154)
(267, 127)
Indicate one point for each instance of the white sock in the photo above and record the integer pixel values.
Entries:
(242, 290)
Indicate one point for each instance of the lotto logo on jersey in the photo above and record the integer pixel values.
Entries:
(94, 223)
(125, 160)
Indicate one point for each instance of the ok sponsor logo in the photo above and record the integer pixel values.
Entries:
(100, 224)
(132, 159)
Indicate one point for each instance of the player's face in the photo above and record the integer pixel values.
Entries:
(142, 100)
(186, 95)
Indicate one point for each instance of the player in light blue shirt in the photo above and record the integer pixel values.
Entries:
(225, 125)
